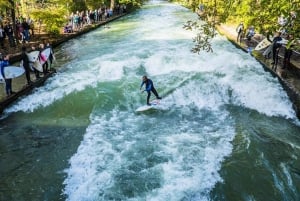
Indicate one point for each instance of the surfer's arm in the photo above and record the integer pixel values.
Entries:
(269, 38)
(2, 70)
(142, 85)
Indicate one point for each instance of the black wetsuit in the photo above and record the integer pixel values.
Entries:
(150, 87)
(26, 66)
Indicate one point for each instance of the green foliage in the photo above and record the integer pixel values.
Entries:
(5, 4)
(205, 32)
(78, 6)
(52, 17)
(262, 14)
(134, 3)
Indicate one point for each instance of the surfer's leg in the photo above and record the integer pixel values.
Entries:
(8, 86)
(155, 93)
(148, 97)
(27, 73)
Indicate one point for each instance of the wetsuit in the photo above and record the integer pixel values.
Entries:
(26, 67)
(276, 47)
(8, 89)
(150, 87)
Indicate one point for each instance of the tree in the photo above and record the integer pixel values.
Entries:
(51, 13)
(263, 14)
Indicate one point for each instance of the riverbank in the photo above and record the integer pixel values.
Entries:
(289, 78)
(19, 85)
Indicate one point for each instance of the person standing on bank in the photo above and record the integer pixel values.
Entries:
(240, 31)
(26, 65)
(276, 47)
(149, 87)
(3, 63)
(288, 51)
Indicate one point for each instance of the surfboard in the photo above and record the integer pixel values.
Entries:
(154, 105)
(45, 55)
(11, 72)
(38, 66)
(283, 41)
(33, 56)
(262, 44)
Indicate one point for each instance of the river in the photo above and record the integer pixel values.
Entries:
(226, 129)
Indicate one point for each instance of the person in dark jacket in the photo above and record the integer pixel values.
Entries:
(9, 32)
(276, 47)
(288, 51)
(4, 62)
(26, 64)
(240, 31)
(149, 87)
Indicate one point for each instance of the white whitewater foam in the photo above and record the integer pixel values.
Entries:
(194, 158)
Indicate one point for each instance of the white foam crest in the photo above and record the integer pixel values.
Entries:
(95, 161)
(194, 168)
(56, 88)
(77, 77)
(243, 85)
(237, 72)
(203, 95)
(85, 181)
(163, 63)
(112, 69)
(253, 88)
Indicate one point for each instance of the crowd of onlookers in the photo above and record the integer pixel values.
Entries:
(79, 19)
(23, 28)
(75, 22)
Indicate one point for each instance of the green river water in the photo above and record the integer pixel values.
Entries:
(225, 129)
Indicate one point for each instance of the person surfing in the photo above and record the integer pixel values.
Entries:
(149, 87)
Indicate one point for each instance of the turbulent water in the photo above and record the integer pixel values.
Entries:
(225, 129)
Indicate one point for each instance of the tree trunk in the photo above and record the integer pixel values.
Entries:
(13, 16)
(112, 5)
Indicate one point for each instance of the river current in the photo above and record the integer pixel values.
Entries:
(226, 129)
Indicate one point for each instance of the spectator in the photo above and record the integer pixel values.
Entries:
(4, 63)
(26, 65)
(31, 25)
(268, 51)
(9, 32)
(288, 51)
(68, 28)
(25, 31)
(250, 33)
(240, 31)
(276, 47)
(51, 56)
(43, 58)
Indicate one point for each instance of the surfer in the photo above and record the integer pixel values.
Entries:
(149, 87)
(3, 63)
(43, 58)
(51, 56)
(276, 47)
(26, 65)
